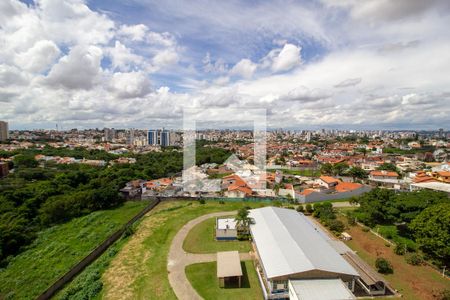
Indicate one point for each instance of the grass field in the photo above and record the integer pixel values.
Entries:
(139, 270)
(413, 282)
(204, 280)
(305, 172)
(58, 248)
(201, 240)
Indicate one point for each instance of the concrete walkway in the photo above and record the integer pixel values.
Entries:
(179, 259)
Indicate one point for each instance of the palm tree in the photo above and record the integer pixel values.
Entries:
(243, 222)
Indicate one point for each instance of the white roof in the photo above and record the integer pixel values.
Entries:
(321, 289)
(226, 223)
(228, 264)
(438, 186)
(288, 243)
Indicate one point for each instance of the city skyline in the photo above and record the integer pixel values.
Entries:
(311, 64)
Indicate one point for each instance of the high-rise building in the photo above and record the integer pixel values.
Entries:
(4, 132)
(159, 137)
(110, 134)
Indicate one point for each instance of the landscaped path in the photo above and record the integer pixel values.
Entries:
(179, 259)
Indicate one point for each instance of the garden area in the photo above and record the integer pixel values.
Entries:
(203, 278)
(201, 239)
(58, 248)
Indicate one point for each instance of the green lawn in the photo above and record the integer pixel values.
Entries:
(204, 280)
(305, 172)
(139, 271)
(58, 248)
(201, 240)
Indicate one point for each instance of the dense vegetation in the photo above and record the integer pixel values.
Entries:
(327, 216)
(58, 248)
(36, 197)
(411, 219)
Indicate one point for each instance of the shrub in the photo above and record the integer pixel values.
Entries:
(221, 202)
(387, 245)
(129, 230)
(414, 259)
(351, 220)
(300, 208)
(365, 229)
(400, 249)
(444, 295)
(336, 225)
(383, 266)
(202, 201)
(309, 208)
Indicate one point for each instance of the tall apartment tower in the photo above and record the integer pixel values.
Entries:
(4, 132)
(159, 137)
(110, 134)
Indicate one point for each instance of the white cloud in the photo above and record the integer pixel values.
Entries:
(244, 68)
(165, 58)
(78, 69)
(122, 57)
(39, 57)
(349, 82)
(131, 85)
(283, 59)
(133, 32)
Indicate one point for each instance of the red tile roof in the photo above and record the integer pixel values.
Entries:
(384, 173)
(347, 186)
(329, 179)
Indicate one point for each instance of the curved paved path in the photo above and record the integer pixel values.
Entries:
(179, 259)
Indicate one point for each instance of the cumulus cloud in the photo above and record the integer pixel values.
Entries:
(244, 68)
(133, 32)
(166, 57)
(122, 57)
(78, 69)
(39, 57)
(131, 85)
(283, 59)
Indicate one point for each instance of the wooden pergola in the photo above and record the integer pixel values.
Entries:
(229, 268)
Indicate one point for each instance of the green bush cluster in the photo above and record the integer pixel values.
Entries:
(384, 266)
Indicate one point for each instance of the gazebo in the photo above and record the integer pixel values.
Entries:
(229, 269)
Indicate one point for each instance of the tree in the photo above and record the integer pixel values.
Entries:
(388, 167)
(326, 169)
(336, 226)
(25, 161)
(432, 232)
(357, 173)
(243, 222)
(383, 266)
(340, 168)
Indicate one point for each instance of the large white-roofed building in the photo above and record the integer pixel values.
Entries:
(289, 247)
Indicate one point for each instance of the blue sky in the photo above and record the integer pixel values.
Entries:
(312, 64)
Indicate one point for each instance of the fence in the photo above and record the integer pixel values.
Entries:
(91, 257)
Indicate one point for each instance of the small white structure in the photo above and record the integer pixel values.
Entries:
(345, 236)
(319, 289)
(226, 229)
